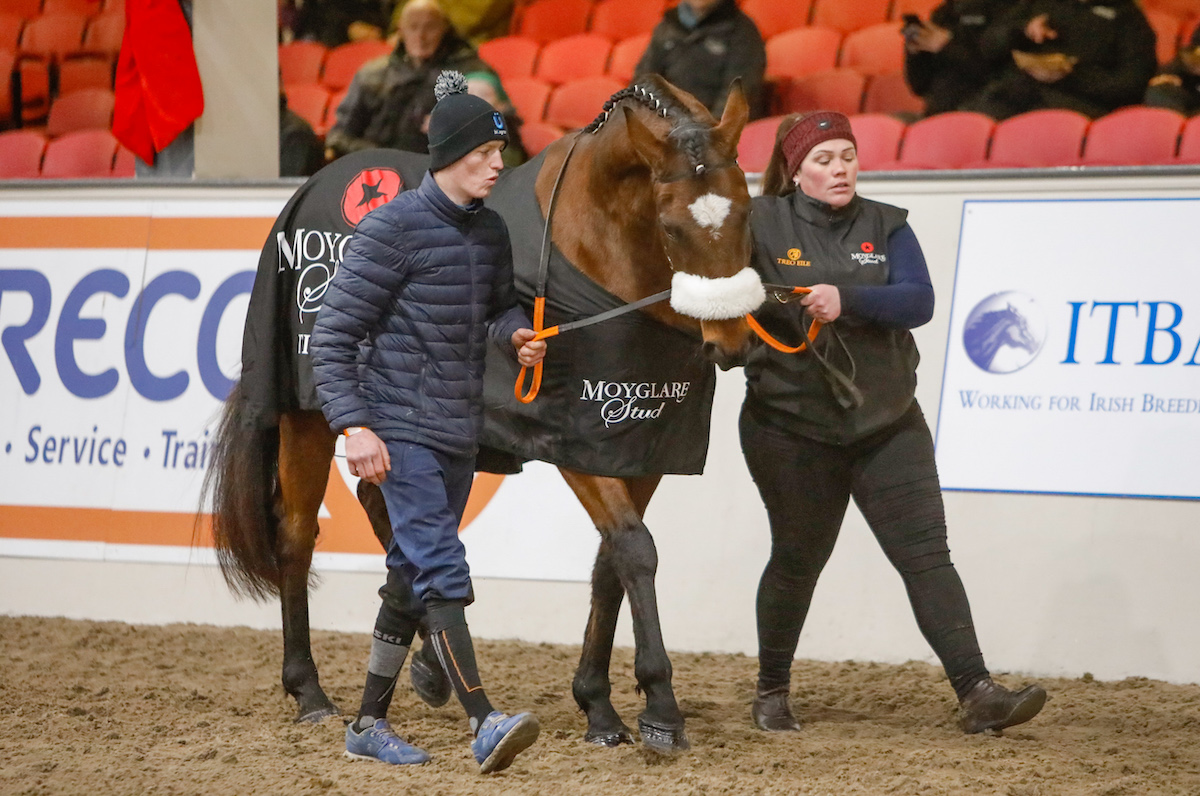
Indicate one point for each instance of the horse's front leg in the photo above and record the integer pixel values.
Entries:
(627, 557)
(305, 451)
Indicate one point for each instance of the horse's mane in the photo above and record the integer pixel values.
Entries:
(690, 135)
(989, 319)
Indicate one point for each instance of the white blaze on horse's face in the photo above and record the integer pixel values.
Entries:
(710, 212)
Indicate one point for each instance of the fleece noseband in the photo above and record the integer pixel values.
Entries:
(717, 299)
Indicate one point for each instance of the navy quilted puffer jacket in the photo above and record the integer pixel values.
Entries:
(399, 344)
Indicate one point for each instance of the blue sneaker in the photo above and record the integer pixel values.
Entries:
(501, 738)
(381, 743)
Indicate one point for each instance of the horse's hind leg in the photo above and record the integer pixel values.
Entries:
(616, 507)
(305, 451)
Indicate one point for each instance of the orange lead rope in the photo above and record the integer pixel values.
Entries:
(539, 318)
(777, 345)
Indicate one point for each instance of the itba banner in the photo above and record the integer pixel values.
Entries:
(1073, 362)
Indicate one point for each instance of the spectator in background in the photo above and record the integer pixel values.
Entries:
(702, 46)
(389, 100)
(300, 150)
(1177, 87)
(1090, 56)
(334, 22)
(475, 20)
(487, 86)
(942, 61)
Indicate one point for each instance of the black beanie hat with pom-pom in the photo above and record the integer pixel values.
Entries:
(460, 121)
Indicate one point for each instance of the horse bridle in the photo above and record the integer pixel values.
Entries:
(846, 394)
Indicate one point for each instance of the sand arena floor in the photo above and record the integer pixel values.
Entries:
(109, 708)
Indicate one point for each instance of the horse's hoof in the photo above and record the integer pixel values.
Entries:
(317, 715)
(610, 739)
(429, 681)
(662, 739)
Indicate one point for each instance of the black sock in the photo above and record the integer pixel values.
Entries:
(452, 641)
(394, 631)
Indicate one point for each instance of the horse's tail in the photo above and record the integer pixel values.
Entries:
(242, 481)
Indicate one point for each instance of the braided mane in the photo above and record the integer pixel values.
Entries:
(688, 134)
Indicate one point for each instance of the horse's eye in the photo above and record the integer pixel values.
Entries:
(672, 231)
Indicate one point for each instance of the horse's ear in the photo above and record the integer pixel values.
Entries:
(733, 119)
(647, 146)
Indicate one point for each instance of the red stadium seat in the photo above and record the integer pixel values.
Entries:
(335, 99)
(528, 95)
(1135, 136)
(922, 8)
(83, 72)
(86, 109)
(10, 31)
(21, 154)
(838, 89)
(620, 19)
(878, 138)
(25, 9)
(85, 153)
(889, 93)
(536, 136)
(1166, 31)
(300, 62)
(7, 61)
(124, 165)
(309, 101)
(114, 7)
(573, 58)
(104, 34)
(88, 8)
(1038, 139)
(510, 56)
(577, 104)
(1189, 142)
(801, 52)
(547, 20)
(345, 60)
(946, 141)
(35, 89)
(756, 143)
(777, 16)
(876, 50)
(848, 15)
(1189, 27)
(51, 36)
(625, 57)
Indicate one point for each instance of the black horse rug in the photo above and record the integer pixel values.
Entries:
(625, 397)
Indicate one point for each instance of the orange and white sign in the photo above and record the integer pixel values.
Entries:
(120, 335)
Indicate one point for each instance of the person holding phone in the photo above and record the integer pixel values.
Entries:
(942, 60)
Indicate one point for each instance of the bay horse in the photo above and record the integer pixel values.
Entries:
(652, 196)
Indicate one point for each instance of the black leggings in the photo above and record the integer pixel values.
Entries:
(806, 486)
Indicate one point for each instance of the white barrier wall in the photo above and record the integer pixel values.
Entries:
(1060, 585)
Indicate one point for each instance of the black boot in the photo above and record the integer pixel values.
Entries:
(771, 711)
(991, 706)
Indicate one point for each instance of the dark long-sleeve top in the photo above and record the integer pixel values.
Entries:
(949, 77)
(1111, 38)
(869, 252)
(705, 59)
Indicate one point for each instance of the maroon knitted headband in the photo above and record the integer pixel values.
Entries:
(810, 130)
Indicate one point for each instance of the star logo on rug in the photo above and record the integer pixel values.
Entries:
(368, 190)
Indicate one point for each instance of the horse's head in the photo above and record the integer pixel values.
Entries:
(1017, 330)
(700, 209)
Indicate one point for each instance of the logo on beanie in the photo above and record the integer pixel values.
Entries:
(369, 189)
(498, 120)
(793, 258)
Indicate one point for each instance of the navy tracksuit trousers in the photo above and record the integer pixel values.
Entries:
(426, 493)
